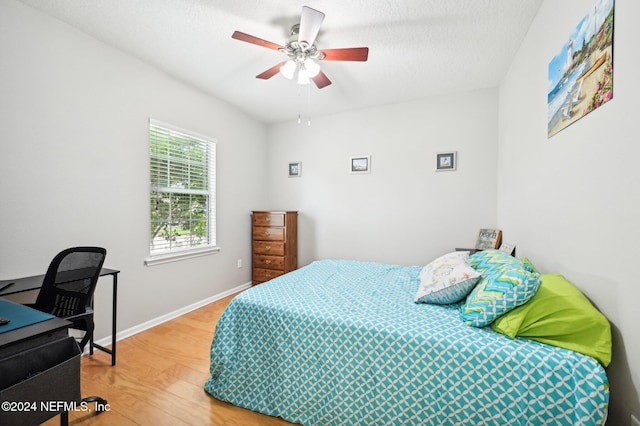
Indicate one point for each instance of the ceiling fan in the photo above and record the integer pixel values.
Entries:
(302, 51)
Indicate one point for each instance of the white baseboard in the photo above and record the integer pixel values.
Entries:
(167, 317)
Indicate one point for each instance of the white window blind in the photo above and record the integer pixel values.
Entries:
(182, 196)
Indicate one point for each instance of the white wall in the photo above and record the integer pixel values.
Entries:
(571, 202)
(74, 165)
(403, 211)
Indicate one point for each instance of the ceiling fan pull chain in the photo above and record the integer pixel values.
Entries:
(308, 105)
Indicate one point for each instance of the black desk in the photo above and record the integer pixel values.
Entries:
(21, 357)
(21, 285)
(18, 340)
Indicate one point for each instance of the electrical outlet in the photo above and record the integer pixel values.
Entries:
(634, 421)
(240, 266)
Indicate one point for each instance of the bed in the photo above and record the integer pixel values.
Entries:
(341, 342)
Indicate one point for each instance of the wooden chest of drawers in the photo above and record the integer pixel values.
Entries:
(274, 244)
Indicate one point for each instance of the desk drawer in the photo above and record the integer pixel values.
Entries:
(50, 372)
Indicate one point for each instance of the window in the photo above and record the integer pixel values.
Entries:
(183, 196)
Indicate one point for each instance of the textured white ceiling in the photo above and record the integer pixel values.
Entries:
(417, 48)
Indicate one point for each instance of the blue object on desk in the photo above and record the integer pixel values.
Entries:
(20, 315)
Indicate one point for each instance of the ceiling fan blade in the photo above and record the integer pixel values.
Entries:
(271, 71)
(255, 40)
(321, 80)
(310, 22)
(348, 54)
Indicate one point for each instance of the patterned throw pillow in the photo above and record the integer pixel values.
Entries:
(528, 265)
(489, 259)
(505, 284)
(448, 279)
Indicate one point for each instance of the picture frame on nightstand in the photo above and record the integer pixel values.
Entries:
(508, 248)
(489, 239)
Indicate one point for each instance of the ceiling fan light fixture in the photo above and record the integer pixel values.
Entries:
(288, 69)
(312, 67)
(303, 53)
(303, 78)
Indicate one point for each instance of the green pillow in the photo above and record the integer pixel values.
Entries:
(560, 315)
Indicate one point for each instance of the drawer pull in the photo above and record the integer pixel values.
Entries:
(268, 275)
(268, 261)
(268, 219)
(266, 233)
(267, 247)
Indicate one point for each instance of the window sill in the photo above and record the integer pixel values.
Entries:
(180, 255)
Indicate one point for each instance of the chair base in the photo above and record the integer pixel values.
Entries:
(101, 403)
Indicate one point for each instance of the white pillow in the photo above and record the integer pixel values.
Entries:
(448, 279)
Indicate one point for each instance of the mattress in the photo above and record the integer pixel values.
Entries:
(341, 342)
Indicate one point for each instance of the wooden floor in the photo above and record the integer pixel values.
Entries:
(159, 378)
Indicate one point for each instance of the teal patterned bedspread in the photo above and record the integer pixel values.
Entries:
(342, 343)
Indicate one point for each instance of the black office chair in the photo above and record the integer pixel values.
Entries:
(68, 287)
(67, 292)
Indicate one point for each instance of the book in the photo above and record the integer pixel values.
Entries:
(489, 239)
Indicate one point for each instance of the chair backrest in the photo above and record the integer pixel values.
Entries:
(70, 281)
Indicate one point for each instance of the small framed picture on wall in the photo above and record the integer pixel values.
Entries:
(360, 164)
(295, 169)
(446, 161)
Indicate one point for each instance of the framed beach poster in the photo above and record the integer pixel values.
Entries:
(581, 74)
